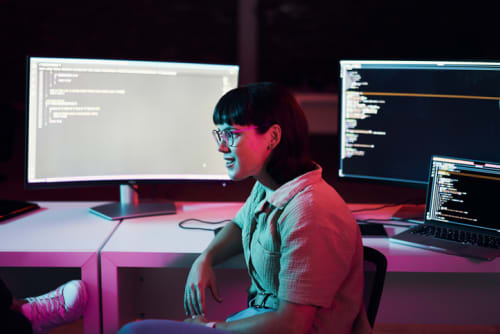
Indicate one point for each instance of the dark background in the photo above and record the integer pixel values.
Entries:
(299, 44)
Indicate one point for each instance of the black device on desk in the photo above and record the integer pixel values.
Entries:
(372, 230)
(461, 209)
(12, 208)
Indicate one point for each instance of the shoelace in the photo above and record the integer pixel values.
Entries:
(47, 311)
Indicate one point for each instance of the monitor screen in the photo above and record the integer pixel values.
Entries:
(463, 192)
(121, 121)
(394, 115)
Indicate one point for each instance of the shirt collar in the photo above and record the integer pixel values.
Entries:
(287, 191)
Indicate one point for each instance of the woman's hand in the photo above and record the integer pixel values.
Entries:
(226, 243)
(196, 319)
(201, 276)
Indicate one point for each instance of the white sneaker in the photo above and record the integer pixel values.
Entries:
(60, 306)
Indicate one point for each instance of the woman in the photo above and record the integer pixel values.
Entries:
(301, 244)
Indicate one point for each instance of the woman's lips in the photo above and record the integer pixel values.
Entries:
(229, 162)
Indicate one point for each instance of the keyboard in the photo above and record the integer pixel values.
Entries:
(457, 235)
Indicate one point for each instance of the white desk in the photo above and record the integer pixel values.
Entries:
(422, 287)
(155, 242)
(418, 282)
(425, 287)
(61, 234)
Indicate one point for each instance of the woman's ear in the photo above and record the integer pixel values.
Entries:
(274, 133)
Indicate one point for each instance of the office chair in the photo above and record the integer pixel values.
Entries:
(375, 267)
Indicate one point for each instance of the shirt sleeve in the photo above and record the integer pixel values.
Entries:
(319, 238)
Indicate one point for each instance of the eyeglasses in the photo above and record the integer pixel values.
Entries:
(229, 136)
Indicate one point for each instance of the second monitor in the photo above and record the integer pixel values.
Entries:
(394, 115)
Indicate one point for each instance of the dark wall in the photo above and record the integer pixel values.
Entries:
(301, 41)
(299, 44)
(190, 31)
(187, 31)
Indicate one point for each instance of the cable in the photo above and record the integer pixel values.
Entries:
(181, 224)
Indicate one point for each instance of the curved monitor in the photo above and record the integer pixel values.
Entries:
(95, 121)
(394, 115)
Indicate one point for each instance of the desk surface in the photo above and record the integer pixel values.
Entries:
(59, 234)
(56, 227)
(417, 274)
(161, 234)
(69, 231)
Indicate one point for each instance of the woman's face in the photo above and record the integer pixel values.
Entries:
(248, 155)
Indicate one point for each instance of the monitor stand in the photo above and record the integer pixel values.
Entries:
(130, 207)
(410, 212)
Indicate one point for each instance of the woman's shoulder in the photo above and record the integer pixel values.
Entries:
(318, 195)
(319, 204)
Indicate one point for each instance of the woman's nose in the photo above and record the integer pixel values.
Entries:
(223, 147)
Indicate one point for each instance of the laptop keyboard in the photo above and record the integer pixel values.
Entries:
(466, 237)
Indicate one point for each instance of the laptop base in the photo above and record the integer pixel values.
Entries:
(445, 246)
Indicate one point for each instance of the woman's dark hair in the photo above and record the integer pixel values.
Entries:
(265, 104)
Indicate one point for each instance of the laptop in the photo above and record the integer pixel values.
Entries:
(461, 210)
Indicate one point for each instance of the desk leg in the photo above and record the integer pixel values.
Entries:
(109, 288)
(90, 275)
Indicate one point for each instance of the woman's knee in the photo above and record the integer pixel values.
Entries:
(132, 328)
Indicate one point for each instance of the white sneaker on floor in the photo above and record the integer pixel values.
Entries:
(61, 306)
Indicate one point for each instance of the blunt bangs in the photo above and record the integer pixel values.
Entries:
(232, 108)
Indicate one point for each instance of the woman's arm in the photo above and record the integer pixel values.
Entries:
(226, 244)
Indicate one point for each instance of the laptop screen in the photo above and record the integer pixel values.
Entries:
(464, 192)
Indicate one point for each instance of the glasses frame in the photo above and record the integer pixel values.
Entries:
(227, 136)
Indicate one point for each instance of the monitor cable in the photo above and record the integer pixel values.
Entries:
(183, 223)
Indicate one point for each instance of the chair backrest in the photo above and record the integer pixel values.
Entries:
(375, 267)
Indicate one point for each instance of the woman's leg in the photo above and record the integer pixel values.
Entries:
(155, 326)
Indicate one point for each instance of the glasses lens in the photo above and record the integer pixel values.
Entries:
(227, 136)
(217, 137)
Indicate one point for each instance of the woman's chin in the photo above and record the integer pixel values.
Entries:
(235, 176)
